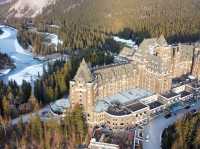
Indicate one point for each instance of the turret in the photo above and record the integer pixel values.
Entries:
(83, 74)
(82, 88)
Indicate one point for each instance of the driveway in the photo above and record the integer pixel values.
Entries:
(26, 117)
(155, 128)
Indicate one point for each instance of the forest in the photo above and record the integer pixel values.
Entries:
(5, 61)
(177, 20)
(41, 46)
(14, 99)
(54, 84)
(88, 34)
(68, 133)
(94, 22)
(184, 134)
(38, 42)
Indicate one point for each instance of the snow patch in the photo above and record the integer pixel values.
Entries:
(23, 8)
(21, 50)
(29, 74)
(4, 72)
(5, 34)
(15, 58)
(129, 42)
(3, 2)
(54, 39)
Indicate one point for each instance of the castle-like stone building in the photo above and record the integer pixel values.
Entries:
(152, 68)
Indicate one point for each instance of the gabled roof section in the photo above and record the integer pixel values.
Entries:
(150, 43)
(83, 73)
(146, 43)
(162, 41)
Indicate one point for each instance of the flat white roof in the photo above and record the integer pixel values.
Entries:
(124, 97)
(101, 105)
(129, 96)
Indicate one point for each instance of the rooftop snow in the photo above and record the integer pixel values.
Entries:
(125, 97)
(101, 106)
(128, 43)
(129, 96)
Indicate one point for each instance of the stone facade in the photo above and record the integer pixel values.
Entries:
(152, 67)
(196, 65)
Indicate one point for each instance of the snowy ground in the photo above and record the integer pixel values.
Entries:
(5, 34)
(19, 48)
(5, 72)
(129, 43)
(54, 39)
(27, 68)
(28, 74)
(55, 26)
(155, 128)
(2, 2)
(15, 58)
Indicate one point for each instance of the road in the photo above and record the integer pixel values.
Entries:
(26, 117)
(45, 113)
(155, 128)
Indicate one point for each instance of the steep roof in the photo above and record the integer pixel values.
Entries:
(162, 41)
(146, 43)
(115, 71)
(151, 43)
(83, 73)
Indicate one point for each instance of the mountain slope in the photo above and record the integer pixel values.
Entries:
(151, 17)
(28, 8)
(83, 23)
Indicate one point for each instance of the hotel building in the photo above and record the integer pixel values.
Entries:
(129, 92)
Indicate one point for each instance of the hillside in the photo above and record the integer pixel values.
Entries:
(26, 8)
(184, 134)
(151, 17)
(88, 23)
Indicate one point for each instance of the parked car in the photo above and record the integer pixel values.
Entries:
(187, 107)
(194, 111)
(147, 138)
(168, 115)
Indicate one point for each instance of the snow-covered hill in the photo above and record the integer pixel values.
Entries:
(29, 8)
(2, 2)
